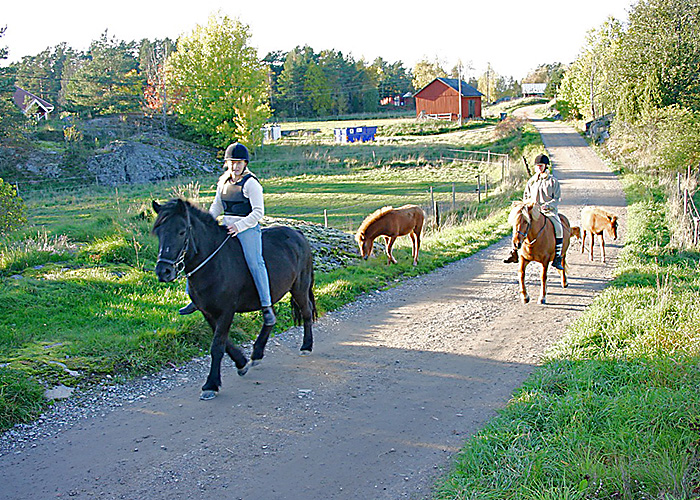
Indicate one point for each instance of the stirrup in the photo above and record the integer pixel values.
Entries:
(268, 314)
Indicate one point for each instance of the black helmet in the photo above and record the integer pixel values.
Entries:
(237, 151)
(541, 160)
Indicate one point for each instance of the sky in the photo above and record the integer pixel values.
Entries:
(514, 36)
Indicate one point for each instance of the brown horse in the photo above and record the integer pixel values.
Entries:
(533, 235)
(391, 223)
(596, 221)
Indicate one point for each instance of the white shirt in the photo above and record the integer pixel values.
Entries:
(251, 190)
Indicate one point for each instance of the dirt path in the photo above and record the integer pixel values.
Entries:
(397, 382)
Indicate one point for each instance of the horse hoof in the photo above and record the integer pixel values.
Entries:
(305, 352)
(244, 370)
(525, 300)
(542, 300)
(255, 362)
(207, 395)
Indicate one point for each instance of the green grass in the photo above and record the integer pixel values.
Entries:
(615, 410)
(80, 299)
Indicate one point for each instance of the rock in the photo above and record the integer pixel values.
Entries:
(59, 392)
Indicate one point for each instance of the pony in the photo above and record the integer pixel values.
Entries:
(220, 284)
(596, 221)
(391, 223)
(533, 235)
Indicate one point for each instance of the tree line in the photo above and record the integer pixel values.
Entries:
(645, 73)
(214, 82)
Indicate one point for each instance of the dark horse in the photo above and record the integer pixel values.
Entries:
(220, 283)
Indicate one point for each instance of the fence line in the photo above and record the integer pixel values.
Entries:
(690, 210)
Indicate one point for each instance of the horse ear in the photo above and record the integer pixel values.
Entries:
(156, 206)
(181, 207)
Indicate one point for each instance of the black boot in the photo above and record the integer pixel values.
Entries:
(513, 257)
(268, 316)
(188, 309)
(556, 263)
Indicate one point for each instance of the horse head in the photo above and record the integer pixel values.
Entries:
(365, 244)
(613, 226)
(521, 217)
(174, 231)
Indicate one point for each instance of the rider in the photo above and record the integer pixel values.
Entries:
(544, 188)
(239, 196)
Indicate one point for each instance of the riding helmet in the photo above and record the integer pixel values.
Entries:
(237, 151)
(541, 160)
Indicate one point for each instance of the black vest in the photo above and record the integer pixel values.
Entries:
(235, 203)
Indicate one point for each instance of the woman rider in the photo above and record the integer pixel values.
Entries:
(544, 188)
(239, 197)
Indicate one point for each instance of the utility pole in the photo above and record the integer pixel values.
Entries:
(459, 92)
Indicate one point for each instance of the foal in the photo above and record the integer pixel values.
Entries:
(595, 220)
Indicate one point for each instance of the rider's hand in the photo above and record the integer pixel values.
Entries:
(232, 230)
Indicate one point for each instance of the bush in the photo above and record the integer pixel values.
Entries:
(12, 208)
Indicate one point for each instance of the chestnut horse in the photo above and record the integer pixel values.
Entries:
(595, 220)
(533, 235)
(391, 223)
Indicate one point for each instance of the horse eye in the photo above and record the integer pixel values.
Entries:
(182, 233)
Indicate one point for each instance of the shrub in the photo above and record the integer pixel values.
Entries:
(12, 208)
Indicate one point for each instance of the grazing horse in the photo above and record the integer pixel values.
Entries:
(533, 235)
(220, 284)
(391, 223)
(595, 220)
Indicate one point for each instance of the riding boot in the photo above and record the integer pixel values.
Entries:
(268, 316)
(188, 309)
(513, 257)
(556, 263)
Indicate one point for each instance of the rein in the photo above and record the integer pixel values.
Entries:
(529, 224)
(179, 262)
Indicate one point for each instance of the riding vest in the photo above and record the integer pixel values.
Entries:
(233, 199)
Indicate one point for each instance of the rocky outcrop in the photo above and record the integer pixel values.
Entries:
(150, 157)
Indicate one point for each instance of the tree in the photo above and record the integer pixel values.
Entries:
(43, 73)
(221, 84)
(426, 71)
(105, 81)
(12, 215)
(11, 119)
(152, 57)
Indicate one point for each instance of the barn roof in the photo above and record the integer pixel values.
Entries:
(467, 90)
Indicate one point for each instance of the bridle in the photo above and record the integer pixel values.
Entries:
(527, 230)
(179, 263)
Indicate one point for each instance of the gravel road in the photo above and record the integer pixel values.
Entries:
(397, 382)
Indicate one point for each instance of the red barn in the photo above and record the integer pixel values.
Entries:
(441, 99)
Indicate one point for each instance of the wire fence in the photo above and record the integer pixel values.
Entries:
(686, 187)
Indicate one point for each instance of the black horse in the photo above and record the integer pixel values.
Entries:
(220, 283)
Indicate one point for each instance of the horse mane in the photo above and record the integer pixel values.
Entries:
(524, 208)
(170, 207)
(603, 212)
(371, 219)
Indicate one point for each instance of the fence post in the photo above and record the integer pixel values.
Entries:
(325, 218)
(478, 189)
(432, 200)
(486, 186)
(454, 199)
(436, 211)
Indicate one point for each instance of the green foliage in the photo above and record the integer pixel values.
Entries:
(12, 209)
(220, 86)
(425, 71)
(11, 119)
(21, 398)
(106, 81)
(44, 73)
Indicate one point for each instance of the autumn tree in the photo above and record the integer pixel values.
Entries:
(220, 84)
(426, 71)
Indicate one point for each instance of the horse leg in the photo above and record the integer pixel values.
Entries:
(590, 254)
(237, 356)
(303, 299)
(521, 279)
(415, 240)
(221, 327)
(259, 345)
(543, 279)
(583, 240)
(564, 281)
(389, 247)
(602, 248)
